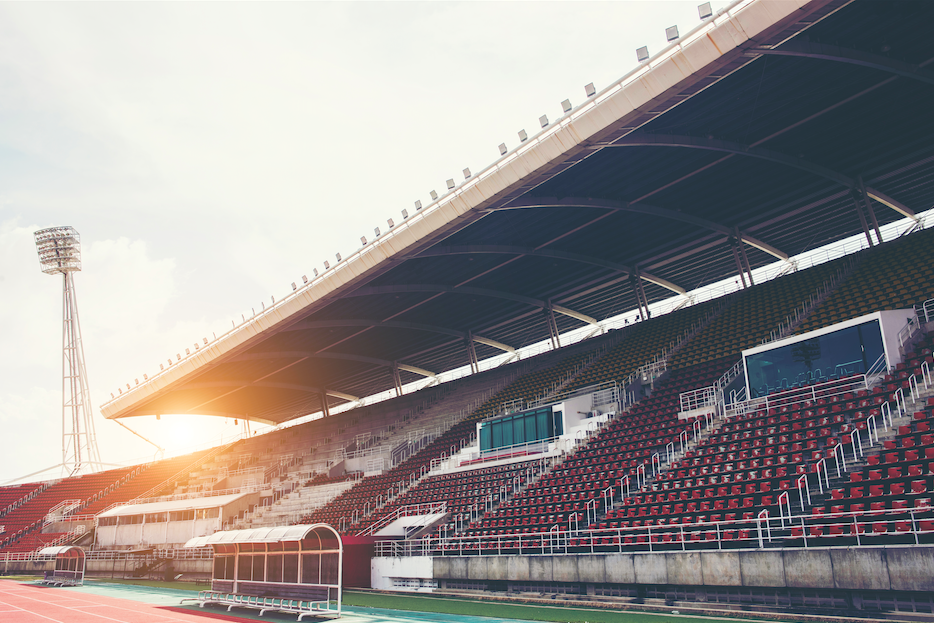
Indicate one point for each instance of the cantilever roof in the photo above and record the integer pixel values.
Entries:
(781, 125)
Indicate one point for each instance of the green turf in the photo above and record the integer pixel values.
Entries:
(178, 586)
(531, 612)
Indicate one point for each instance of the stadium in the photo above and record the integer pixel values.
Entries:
(672, 351)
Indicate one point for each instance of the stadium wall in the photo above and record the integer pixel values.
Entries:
(883, 568)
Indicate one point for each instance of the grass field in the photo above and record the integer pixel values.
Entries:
(500, 610)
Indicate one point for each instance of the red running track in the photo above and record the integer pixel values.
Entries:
(26, 603)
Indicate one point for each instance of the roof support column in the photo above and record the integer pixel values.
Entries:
(396, 378)
(742, 255)
(862, 217)
(472, 354)
(552, 326)
(324, 403)
(868, 204)
(635, 280)
(739, 264)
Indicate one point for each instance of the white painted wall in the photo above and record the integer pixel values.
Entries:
(383, 570)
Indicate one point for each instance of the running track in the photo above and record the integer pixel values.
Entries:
(25, 603)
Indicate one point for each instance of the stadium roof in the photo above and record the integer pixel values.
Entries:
(773, 128)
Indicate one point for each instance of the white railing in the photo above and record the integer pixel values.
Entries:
(410, 510)
(784, 530)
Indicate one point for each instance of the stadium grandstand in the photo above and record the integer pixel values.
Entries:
(675, 349)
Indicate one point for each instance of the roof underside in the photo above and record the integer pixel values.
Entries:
(771, 143)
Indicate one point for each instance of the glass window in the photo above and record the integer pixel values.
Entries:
(290, 568)
(259, 568)
(245, 570)
(485, 437)
(274, 568)
(518, 431)
(329, 564)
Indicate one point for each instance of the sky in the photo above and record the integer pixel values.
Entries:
(210, 154)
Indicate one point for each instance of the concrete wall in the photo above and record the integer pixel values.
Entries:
(384, 572)
(897, 568)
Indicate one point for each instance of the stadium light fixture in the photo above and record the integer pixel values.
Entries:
(304, 279)
(137, 381)
(391, 223)
(197, 346)
(338, 256)
(671, 33)
(314, 271)
(162, 366)
(642, 54)
(590, 90)
(376, 231)
(178, 356)
(405, 214)
(295, 287)
(362, 241)
(204, 339)
(704, 10)
(543, 120)
(112, 396)
(467, 173)
(502, 149)
(187, 351)
(120, 389)
(145, 377)
(434, 195)
(566, 106)
(450, 184)
(523, 136)
(327, 265)
(418, 205)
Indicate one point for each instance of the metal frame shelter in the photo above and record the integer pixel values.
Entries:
(70, 562)
(770, 129)
(291, 569)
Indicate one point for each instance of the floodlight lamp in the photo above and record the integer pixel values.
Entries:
(304, 279)
(59, 250)
(338, 256)
(704, 10)
(418, 205)
(405, 214)
(137, 381)
(295, 287)
(187, 351)
(391, 223)
(112, 396)
(502, 149)
(197, 346)
(566, 106)
(314, 271)
(543, 120)
(120, 389)
(376, 231)
(204, 339)
(590, 90)
(362, 241)
(145, 376)
(450, 184)
(327, 265)
(467, 173)
(642, 54)
(128, 388)
(523, 136)
(178, 356)
(162, 366)
(434, 195)
(671, 33)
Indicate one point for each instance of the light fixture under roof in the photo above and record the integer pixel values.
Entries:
(566, 106)
(391, 223)
(467, 173)
(327, 264)
(405, 214)
(304, 279)
(362, 241)
(315, 271)
(434, 195)
(376, 231)
(502, 149)
(450, 184)
(671, 33)
(543, 120)
(590, 90)
(642, 54)
(523, 136)
(418, 205)
(704, 10)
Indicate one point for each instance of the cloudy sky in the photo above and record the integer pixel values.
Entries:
(210, 154)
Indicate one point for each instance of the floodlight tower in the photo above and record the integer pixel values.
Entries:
(60, 253)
